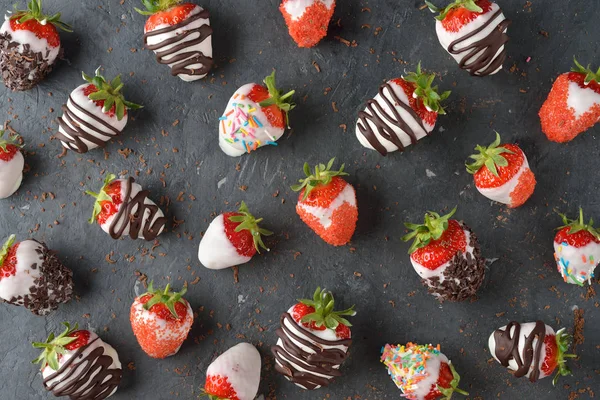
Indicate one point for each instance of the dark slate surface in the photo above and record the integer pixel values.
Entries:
(374, 270)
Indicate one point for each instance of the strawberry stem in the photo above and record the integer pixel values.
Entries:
(6, 248)
(110, 93)
(34, 11)
(10, 140)
(425, 92)
(490, 157)
(578, 225)
(54, 346)
(324, 315)
(166, 297)
(155, 6)
(589, 74)
(322, 176)
(100, 197)
(249, 223)
(433, 228)
(563, 341)
(276, 98)
(470, 5)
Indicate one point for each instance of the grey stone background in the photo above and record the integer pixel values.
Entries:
(250, 39)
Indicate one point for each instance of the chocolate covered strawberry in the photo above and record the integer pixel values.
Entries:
(122, 208)
(33, 277)
(446, 255)
(573, 105)
(313, 341)
(29, 46)
(577, 249)
(327, 203)
(161, 321)
(95, 113)
(231, 239)
(234, 375)
(180, 35)
(255, 116)
(532, 349)
(474, 33)
(78, 364)
(403, 112)
(422, 372)
(307, 20)
(11, 165)
(501, 173)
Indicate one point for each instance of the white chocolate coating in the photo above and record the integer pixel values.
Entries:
(216, 251)
(241, 365)
(11, 175)
(28, 254)
(297, 8)
(36, 44)
(577, 264)
(501, 194)
(581, 100)
(324, 215)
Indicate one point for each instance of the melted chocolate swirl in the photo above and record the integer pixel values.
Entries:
(322, 361)
(77, 129)
(385, 123)
(507, 348)
(139, 216)
(182, 62)
(483, 57)
(85, 376)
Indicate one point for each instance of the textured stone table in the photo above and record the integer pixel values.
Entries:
(374, 270)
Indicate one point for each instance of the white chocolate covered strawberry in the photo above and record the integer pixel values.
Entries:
(532, 350)
(95, 113)
(403, 112)
(122, 208)
(234, 375)
(78, 364)
(313, 341)
(180, 35)
(577, 250)
(11, 165)
(474, 33)
(29, 46)
(32, 276)
(255, 116)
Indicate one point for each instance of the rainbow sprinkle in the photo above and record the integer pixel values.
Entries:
(571, 275)
(240, 124)
(407, 365)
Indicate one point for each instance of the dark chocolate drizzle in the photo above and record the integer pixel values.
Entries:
(184, 60)
(507, 348)
(74, 142)
(469, 270)
(53, 287)
(96, 362)
(488, 47)
(22, 70)
(137, 220)
(321, 362)
(385, 123)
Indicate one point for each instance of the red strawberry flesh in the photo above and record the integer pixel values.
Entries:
(100, 103)
(172, 16)
(109, 208)
(551, 360)
(440, 251)
(242, 240)
(220, 387)
(47, 31)
(162, 312)
(577, 239)
(323, 195)
(459, 17)
(299, 311)
(9, 266)
(273, 113)
(444, 381)
(485, 179)
(10, 152)
(415, 103)
(82, 338)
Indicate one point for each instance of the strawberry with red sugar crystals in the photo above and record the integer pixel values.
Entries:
(501, 173)
(255, 116)
(403, 112)
(29, 46)
(33, 277)
(307, 20)
(473, 32)
(234, 375)
(11, 164)
(231, 239)
(180, 35)
(122, 208)
(532, 350)
(577, 249)
(422, 372)
(161, 320)
(327, 203)
(77, 363)
(573, 105)
(446, 255)
(325, 336)
(95, 112)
